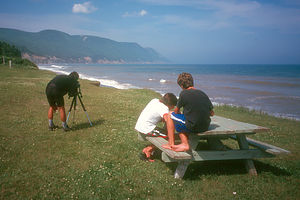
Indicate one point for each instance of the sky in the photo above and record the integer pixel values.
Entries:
(184, 31)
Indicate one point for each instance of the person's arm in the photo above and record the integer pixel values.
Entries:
(180, 104)
(211, 108)
(165, 117)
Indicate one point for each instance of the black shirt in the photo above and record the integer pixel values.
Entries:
(62, 84)
(196, 109)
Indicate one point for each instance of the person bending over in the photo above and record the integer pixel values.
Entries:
(157, 110)
(55, 91)
(197, 109)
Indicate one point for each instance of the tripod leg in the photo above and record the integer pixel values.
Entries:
(85, 110)
(75, 103)
(88, 118)
(70, 109)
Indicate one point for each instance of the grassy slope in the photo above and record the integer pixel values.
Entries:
(101, 161)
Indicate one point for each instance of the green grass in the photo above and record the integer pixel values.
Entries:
(101, 162)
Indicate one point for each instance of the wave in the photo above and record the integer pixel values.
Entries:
(297, 98)
(53, 70)
(57, 66)
(159, 85)
(108, 82)
(103, 82)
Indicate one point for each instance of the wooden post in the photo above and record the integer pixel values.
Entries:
(3, 60)
(181, 168)
(241, 138)
(9, 63)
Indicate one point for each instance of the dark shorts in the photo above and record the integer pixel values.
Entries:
(179, 123)
(53, 97)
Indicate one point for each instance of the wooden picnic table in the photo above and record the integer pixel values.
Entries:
(220, 128)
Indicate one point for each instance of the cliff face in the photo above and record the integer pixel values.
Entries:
(52, 46)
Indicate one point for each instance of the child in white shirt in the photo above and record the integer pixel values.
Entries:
(157, 110)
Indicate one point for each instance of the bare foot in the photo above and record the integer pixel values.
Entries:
(166, 146)
(147, 151)
(180, 147)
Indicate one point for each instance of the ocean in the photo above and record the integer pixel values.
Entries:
(273, 89)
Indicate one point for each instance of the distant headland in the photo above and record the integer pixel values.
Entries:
(52, 46)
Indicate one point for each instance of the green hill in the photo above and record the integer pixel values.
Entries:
(56, 46)
(13, 54)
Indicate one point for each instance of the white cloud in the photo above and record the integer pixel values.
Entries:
(141, 13)
(86, 8)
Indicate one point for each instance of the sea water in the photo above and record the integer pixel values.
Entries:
(274, 89)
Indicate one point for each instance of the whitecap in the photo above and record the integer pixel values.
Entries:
(108, 82)
(53, 70)
(57, 66)
(103, 81)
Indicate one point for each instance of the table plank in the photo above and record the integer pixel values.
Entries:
(223, 155)
(223, 126)
(265, 146)
(158, 142)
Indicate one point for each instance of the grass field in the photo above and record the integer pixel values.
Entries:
(101, 162)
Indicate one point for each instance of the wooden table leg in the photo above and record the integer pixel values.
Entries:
(181, 168)
(216, 144)
(141, 137)
(243, 144)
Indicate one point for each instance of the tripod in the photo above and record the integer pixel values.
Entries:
(73, 105)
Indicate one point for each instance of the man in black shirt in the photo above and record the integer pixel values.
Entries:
(55, 91)
(197, 109)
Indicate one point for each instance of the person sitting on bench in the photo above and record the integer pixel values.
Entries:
(157, 110)
(197, 109)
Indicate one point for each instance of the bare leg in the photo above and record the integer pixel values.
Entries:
(184, 146)
(50, 112)
(62, 113)
(171, 132)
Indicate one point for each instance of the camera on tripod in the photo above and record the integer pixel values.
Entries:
(77, 94)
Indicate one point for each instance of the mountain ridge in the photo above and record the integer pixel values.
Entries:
(53, 46)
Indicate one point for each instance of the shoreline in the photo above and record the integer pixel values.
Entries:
(123, 86)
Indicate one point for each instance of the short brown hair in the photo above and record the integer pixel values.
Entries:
(169, 99)
(185, 80)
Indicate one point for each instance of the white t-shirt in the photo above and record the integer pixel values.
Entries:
(150, 116)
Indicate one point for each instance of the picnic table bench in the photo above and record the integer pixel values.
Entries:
(220, 128)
